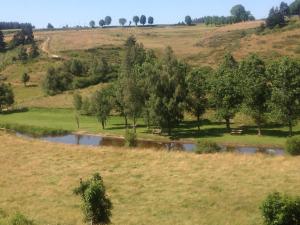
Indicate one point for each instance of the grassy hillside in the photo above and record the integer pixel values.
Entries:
(146, 187)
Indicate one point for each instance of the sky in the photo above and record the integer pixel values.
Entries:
(80, 12)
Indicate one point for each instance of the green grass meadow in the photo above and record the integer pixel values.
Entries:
(211, 130)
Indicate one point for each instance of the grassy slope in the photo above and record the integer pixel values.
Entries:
(64, 119)
(146, 187)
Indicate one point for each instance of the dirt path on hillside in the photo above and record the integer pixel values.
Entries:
(45, 48)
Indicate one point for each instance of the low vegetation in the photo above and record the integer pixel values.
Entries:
(279, 209)
(293, 145)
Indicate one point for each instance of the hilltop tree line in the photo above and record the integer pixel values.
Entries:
(238, 14)
(161, 90)
(14, 25)
(143, 20)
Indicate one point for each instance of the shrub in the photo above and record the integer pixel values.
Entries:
(19, 219)
(293, 145)
(207, 147)
(280, 209)
(130, 139)
(96, 205)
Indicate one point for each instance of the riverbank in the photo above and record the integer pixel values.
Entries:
(64, 119)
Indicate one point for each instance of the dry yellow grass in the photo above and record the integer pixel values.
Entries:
(146, 187)
(182, 39)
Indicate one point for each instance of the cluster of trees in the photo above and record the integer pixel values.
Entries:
(295, 8)
(238, 14)
(122, 21)
(76, 74)
(14, 25)
(20, 38)
(161, 90)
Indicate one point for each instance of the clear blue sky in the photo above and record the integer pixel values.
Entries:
(72, 12)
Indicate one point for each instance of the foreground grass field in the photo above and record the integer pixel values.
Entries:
(146, 187)
(212, 130)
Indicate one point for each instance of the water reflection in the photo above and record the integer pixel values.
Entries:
(90, 140)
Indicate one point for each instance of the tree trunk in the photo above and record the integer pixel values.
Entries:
(228, 124)
(259, 128)
(134, 124)
(290, 128)
(126, 121)
(77, 121)
(198, 122)
(103, 124)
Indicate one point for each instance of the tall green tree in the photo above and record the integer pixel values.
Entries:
(129, 91)
(77, 103)
(25, 78)
(92, 24)
(122, 21)
(102, 23)
(225, 93)
(188, 20)
(239, 13)
(143, 20)
(96, 205)
(275, 18)
(284, 9)
(256, 90)
(285, 100)
(102, 101)
(169, 95)
(50, 26)
(150, 20)
(6, 96)
(197, 101)
(136, 20)
(108, 20)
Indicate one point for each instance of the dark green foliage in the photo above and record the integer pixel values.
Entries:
(284, 9)
(295, 8)
(136, 20)
(57, 81)
(167, 101)
(107, 20)
(92, 24)
(150, 20)
(102, 23)
(122, 21)
(96, 205)
(77, 101)
(293, 145)
(20, 219)
(188, 20)
(197, 101)
(275, 18)
(25, 36)
(76, 67)
(33, 51)
(279, 209)
(22, 54)
(102, 103)
(50, 26)
(2, 43)
(33, 130)
(285, 100)
(240, 14)
(6, 96)
(256, 92)
(207, 147)
(25, 78)
(226, 96)
(130, 138)
(143, 20)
